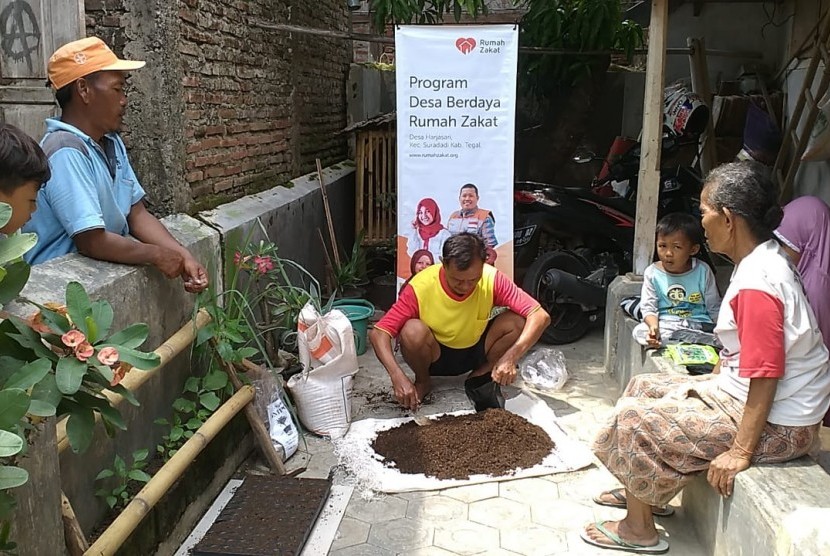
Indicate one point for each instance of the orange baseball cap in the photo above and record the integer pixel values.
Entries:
(82, 57)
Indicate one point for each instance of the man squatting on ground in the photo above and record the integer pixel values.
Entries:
(442, 319)
(93, 201)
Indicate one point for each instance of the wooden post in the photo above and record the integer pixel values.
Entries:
(700, 85)
(257, 426)
(75, 540)
(649, 178)
(360, 194)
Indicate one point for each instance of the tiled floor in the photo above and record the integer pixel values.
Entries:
(537, 516)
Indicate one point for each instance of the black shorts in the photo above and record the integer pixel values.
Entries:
(455, 362)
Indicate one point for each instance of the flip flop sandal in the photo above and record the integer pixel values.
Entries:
(617, 493)
(661, 547)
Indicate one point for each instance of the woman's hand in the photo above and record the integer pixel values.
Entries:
(723, 469)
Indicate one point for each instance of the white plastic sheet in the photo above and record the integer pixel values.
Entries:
(356, 453)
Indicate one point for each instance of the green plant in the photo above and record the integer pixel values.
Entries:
(200, 398)
(352, 271)
(253, 319)
(421, 11)
(568, 25)
(59, 362)
(118, 495)
(576, 26)
(14, 398)
(72, 358)
(257, 315)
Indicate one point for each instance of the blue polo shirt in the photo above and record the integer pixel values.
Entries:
(92, 187)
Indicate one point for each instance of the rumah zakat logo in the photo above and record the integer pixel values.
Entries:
(465, 45)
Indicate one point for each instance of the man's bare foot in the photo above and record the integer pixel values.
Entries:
(621, 530)
(423, 389)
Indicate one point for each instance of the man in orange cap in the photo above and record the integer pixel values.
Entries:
(93, 201)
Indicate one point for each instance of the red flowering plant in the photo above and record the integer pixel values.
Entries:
(257, 315)
(62, 359)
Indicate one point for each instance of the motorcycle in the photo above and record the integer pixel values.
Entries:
(571, 242)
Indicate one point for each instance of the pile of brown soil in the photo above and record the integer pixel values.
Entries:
(494, 442)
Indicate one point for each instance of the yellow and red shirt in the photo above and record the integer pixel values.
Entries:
(457, 322)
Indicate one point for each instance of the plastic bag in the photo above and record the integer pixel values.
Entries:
(274, 413)
(692, 354)
(322, 391)
(545, 370)
(484, 393)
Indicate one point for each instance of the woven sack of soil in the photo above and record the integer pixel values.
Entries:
(322, 392)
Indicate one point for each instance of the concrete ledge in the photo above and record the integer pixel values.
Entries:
(291, 217)
(619, 358)
(775, 509)
(142, 294)
(778, 509)
(137, 294)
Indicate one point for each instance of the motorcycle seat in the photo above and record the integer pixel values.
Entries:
(620, 204)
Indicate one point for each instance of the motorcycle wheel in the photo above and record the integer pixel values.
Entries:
(568, 321)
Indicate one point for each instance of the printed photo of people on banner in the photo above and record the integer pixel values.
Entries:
(456, 97)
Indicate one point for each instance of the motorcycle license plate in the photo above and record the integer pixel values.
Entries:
(522, 236)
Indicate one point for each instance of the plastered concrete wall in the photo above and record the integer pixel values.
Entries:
(292, 216)
(137, 294)
(727, 26)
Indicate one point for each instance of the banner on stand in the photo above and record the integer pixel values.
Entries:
(456, 107)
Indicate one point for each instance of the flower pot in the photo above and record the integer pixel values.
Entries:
(382, 291)
(351, 292)
(358, 311)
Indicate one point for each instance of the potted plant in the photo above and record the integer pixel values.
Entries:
(350, 276)
(382, 271)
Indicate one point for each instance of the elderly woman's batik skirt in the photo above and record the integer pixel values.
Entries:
(667, 428)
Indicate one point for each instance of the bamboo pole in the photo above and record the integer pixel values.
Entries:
(393, 180)
(126, 522)
(334, 249)
(75, 540)
(257, 426)
(329, 265)
(167, 351)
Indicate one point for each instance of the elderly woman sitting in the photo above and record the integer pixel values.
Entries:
(765, 403)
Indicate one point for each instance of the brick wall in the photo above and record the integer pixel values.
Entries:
(254, 107)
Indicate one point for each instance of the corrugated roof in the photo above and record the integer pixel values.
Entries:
(377, 121)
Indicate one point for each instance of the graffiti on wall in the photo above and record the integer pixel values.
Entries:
(20, 33)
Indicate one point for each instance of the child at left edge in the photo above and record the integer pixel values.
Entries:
(679, 290)
(23, 170)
